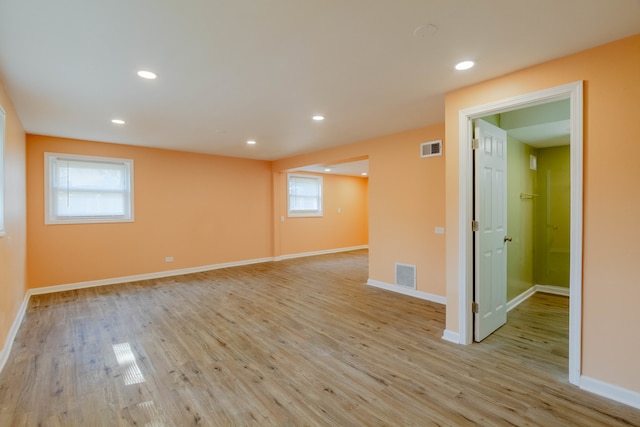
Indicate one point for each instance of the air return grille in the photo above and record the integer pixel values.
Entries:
(406, 275)
(431, 149)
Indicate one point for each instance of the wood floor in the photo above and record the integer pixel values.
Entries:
(301, 342)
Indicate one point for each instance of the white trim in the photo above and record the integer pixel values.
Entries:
(51, 216)
(3, 144)
(573, 92)
(451, 336)
(545, 289)
(575, 255)
(521, 298)
(411, 292)
(610, 391)
(465, 241)
(324, 252)
(169, 273)
(554, 290)
(8, 343)
(305, 213)
(138, 277)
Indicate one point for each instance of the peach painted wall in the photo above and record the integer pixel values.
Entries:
(200, 209)
(334, 229)
(610, 340)
(13, 284)
(406, 203)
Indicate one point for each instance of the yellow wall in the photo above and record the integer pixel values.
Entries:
(520, 218)
(199, 209)
(13, 244)
(406, 203)
(333, 230)
(553, 217)
(611, 230)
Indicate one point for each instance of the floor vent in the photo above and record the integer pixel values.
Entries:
(406, 275)
(430, 149)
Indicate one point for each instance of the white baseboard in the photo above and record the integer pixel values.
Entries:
(169, 273)
(547, 289)
(555, 290)
(325, 252)
(8, 343)
(414, 293)
(610, 391)
(148, 276)
(451, 336)
(521, 298)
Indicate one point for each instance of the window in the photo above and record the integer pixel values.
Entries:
(81, 189)
(2, 127)
(305, 195)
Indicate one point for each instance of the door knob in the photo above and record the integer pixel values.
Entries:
(507, 239)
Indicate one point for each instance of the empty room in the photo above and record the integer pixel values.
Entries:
(301, 213)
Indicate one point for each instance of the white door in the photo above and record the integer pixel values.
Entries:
(490, 290)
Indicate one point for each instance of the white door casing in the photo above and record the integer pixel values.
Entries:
(490, 291)
(573, 92)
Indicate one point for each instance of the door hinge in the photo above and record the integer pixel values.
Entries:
(474, 307)
(475, 143)
(474, 225)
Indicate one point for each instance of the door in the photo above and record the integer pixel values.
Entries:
(490, 233)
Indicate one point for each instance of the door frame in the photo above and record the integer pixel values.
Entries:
(573, 92)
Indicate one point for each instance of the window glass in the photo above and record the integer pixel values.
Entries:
(88, 189)
(305, 195)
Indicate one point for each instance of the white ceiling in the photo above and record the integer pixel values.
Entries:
(232, 70)
(545, 135)
(354, 168)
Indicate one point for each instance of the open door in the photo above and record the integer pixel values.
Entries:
(490, 229)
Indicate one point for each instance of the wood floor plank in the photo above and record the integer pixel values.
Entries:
(301, 342)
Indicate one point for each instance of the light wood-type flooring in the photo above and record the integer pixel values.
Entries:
(301, 342)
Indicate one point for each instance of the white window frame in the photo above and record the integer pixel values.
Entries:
(3, 127)
(51, 217)
(305, 213)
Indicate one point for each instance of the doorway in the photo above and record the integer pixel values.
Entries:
(530, 251)
(572, 92)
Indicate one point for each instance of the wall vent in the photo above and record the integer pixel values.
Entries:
(431, 149)
(406, 275)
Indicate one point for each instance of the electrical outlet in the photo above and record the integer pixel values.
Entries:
(168, 259)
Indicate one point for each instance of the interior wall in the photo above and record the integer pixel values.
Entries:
(520, 217)
(199, 209)
(335, 229)
(406, 203)
(13, 285)
(610, 344)
(553, 217)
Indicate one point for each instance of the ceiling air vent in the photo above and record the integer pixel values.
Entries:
(406, 275)
(430, 149)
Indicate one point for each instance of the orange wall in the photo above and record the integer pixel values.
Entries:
(13, 244)
(199, 209)
(611, 343)
(406, 203)
(333, 230)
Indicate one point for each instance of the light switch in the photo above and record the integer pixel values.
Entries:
(439, 230)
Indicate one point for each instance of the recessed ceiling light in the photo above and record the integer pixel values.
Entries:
(117, 121)
(363, 174)
(464, 65)
(147, 74)
(251, 142)
(327, 169)
(318, 118)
